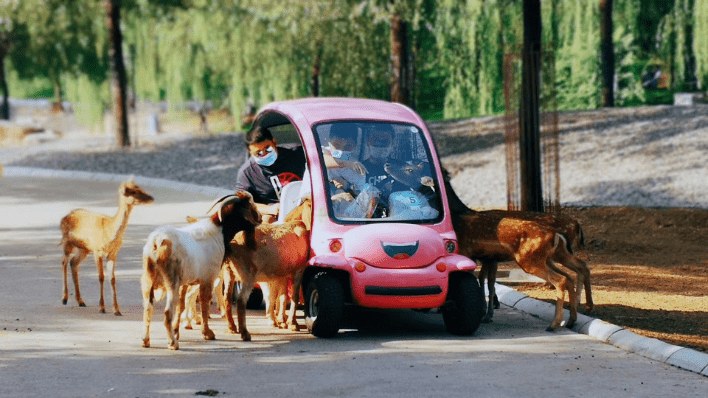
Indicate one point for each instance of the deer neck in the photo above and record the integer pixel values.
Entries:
(119, 222)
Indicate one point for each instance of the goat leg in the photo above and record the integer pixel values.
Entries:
(294, 299)
(247, 283)
(171, 324)
(229, 280)
(205, 290)
(148, 299)
(112, 271)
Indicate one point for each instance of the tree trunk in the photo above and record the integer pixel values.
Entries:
(529, 115)
(119, 79)
(607, 55)
(399, 60)
(316, 70)
(5, 105)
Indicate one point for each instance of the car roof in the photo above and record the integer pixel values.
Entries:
(324, 109)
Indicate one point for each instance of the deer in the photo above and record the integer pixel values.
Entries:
(569, 229)
(85, 232)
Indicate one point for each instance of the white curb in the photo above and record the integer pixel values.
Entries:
(682, 357)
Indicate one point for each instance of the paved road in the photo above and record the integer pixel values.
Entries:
(47, 349)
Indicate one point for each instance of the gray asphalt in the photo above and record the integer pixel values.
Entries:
(48, 349)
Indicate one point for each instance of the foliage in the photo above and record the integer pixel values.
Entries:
(232, 53)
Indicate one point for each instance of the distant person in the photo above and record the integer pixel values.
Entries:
(268, 169)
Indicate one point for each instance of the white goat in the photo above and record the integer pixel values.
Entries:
(176, 257)
(84, 232)
(281, 251)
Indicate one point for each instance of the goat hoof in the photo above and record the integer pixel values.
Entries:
(146, 343)
(232, 330)
(486, 320)
(589, 308)
(570, 324)
(174, 347)
(209, 335)
(102, 310)
(64, 301)
(550, 329)
(82, 304)
(117, 313)
(246, 336)
(294, 327)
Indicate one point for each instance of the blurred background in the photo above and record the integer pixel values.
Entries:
(209, 64)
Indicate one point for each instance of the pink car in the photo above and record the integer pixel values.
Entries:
(382, 235)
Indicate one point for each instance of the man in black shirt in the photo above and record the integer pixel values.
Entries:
(268, 169)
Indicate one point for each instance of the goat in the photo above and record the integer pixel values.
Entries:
(190, 313)
(85, 232)
(532, 245)
(281, 251)
(176, 257)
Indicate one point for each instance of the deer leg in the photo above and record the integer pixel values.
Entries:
(489, 269)
(112, 271)
(99, 266)
(64, 269)
(75, 262)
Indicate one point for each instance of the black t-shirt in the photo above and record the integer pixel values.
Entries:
(266, 182)
(379, 178)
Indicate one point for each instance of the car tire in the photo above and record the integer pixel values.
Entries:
(324, 306)
(464, 309)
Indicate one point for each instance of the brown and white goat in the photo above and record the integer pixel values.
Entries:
(174, 258)
(85, 232)
(281, 251)
(533, 246)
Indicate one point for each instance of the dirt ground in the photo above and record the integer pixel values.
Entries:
(649, 271)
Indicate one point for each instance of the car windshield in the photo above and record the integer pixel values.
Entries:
(378, 171)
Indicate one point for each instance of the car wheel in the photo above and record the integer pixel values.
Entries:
(464, 309)
(324, 306)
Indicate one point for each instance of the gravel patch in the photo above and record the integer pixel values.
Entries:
(646, 157)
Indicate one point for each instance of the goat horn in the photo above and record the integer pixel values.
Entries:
(219, 201)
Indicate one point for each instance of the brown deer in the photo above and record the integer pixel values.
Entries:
(85, 232)
(568, 227)
(533, 246)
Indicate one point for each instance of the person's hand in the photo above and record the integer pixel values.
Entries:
(356, 166)
(343, 197)
(340, 183)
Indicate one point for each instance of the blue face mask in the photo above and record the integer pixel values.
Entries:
(268, 159)
(341, 155)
